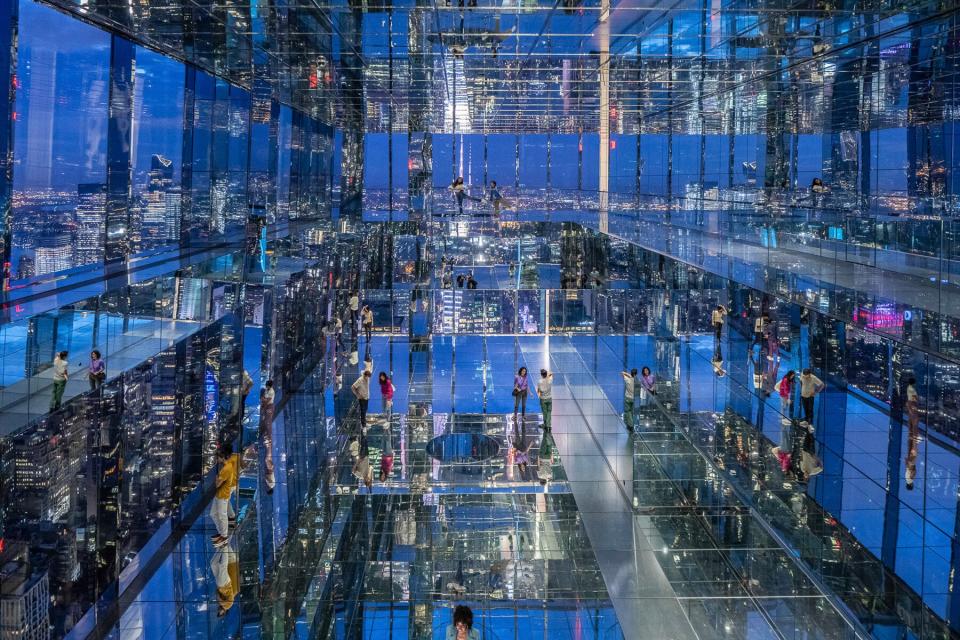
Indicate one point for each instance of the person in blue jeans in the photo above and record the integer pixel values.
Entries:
(521, 388)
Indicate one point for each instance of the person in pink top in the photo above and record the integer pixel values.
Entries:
(386, 392)
(785, 388)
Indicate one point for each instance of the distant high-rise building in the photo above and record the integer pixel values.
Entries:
(54, 253)
(171, 215)
(91, 217)
(24, 597)
(26, 268)
(161, 173)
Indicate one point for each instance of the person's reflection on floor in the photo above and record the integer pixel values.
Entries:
(226, 574)
(717, 362)
(913, 434)
(545, 460)
(521, 455)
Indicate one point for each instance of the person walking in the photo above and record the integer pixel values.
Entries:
(361, 391)
(496, 198)
(97, 371)
(460, 193)
(716, 319)
(545, 393)
(226, 482)
(810, 386)
(60, 376)
(629, 386)
(386, 394)
(366, 319)
(520, 390)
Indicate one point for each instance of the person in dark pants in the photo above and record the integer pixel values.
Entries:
(60, 376)
(361, 390)
(810, 386)
(716, 319)
(521, 388)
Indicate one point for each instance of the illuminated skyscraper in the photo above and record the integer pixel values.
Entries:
(54, 253)
(91, 217)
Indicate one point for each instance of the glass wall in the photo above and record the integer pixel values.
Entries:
(106, 169)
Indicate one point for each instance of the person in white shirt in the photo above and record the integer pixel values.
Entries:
(545, 392)
(366, 320)
(354, 309)
(60, 376)
(629, 382)
(810, 386)
(361, 390)
(759, 327)
(716, 319)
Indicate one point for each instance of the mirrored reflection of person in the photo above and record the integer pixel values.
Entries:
(225, 567)
(913, 436)
(717, 361)
(545, 460)
(521, 455)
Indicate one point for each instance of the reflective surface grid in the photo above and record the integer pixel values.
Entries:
(215, 216)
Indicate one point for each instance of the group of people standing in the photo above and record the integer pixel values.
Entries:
(544, 391)
(637, 392)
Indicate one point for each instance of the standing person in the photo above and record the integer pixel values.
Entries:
(366, 319)
(97, 372)
(460, 280)
(810, 386)
(716, 319)
(545, 392)
(354, 310)
(629, 384)
(226, 482)
(361, 391)
(338, 331)
(913, 405)
(785, 388)
(462, 627)
(471, 281)
(60, 376)
(386, 393)
(648, 385)
(521, 388)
